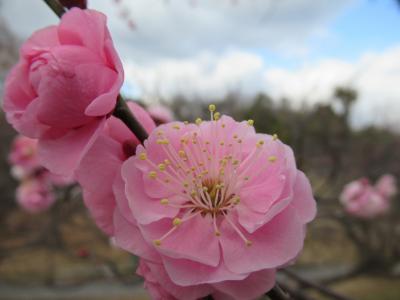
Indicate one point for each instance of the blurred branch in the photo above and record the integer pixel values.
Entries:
(307, 283)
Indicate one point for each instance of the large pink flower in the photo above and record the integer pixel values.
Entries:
(361, 199)
(102, 163)
(213, 203)
(23, 157)
(64, 86)
(35, 195)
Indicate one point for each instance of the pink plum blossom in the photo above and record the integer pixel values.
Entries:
(160, 113)
(23, 157)
(35, 195)
(361, 199)
(386, 185)
(211, 207)
(103, 161)
(64, 86)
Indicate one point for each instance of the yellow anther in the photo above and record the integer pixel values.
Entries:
(222, 143)
(205, 189)
(207, 142)
(205, 172)
(260, 143)
(161, 167)
(164, 201)
(152, 174)
(274, 137)
(157, 243)
(235, 136)
(167, 161)
(198, 121)
(222, 172)
(217, 116)
(182, 153)
(272, 158)
(249, 243)
(176, 126)
(236, 200)
(176, 222)
(162, 141)
(185, 184)
(223, 125)
(218, 233)
(193, 168)
(235, 162)
(212, 107)
(250, 122)
(193, 193)
(142, 156)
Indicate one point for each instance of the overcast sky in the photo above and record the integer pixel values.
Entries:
(300, 49)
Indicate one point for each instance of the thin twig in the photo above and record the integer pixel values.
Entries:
(277, 293)
(322, 289)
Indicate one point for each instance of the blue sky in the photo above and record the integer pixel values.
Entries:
(360, 27)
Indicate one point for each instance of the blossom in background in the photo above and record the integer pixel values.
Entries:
(211, 208)
(361, 199)
(35, 195)
(35, 192)
(160, 113)
(103, 162)
(64, 86)
(23, 157)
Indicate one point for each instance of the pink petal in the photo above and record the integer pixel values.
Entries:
(40, 40)
(84, 28)
(305, 206)
(186, 272)
(145, 210)
(63, 155)
(64, 107)
(252, 287)
(128, 237)
(273, 245)
(97, 190)
(194, 240)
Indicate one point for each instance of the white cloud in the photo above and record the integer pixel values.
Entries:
(176, 29)
(375, 76)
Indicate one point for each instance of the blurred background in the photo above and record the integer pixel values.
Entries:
(324, 75)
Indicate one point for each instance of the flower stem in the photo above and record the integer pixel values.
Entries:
(121, 110)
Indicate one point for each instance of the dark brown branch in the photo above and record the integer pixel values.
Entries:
(123, 113)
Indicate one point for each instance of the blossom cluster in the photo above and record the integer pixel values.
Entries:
(210, 207)
(362, 199)
(35, 192)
